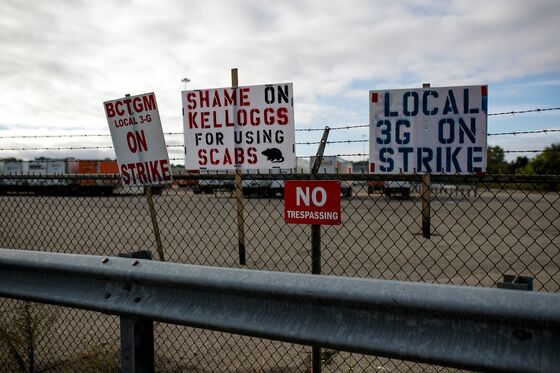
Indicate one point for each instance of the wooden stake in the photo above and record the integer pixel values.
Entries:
(426, 210)
(239, 193)
(153, 216)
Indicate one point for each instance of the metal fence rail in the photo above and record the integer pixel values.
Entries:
(481, 228)
(491, 329)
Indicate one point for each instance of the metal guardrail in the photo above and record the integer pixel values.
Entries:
(455, 326)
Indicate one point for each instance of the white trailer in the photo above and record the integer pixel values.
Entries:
(10, 168)
(397, 187)
(209, 186)
(271, 188)
(49, 167)
(336, 165)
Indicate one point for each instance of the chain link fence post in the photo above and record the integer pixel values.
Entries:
(239, 189)
(137, 334)
(316, 244)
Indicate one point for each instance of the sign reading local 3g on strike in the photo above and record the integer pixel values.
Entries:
(428, 130)
(138, 140)
(244, 128)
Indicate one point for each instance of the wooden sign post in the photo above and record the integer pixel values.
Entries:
(426, 211)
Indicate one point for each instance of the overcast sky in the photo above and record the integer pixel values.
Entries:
(60, 60)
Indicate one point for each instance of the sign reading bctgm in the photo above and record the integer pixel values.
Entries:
(312, 202)
(245, 128)
(138, 140)
(428, 130)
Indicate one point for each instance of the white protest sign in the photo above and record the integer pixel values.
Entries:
(138, 140)
(428, 130)
(246, 128)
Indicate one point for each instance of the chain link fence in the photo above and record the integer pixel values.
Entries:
(481, 228)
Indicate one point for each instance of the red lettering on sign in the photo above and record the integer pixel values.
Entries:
(244, 97)
(109, 110)
(145, 172)
(191, 100)
(282, 116)
(215, 122)
(149, 102)
(204, 119)
(227, 157)
(220, 98)
(202, 159)
(140, 170)
(125, 175)
(204, 97)
(255, 119)
(252, 155)
(213, 155)
(127, 101)
(136, 141)
(118, 108)
(269, 116)
(133, 105)
(230, 99)
(241, 117)
(192, 119)
(132, 169)
(239, 158)
(229, 120)
(164, 166)
(216, 101)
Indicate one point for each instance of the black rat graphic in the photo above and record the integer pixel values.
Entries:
(274, 155)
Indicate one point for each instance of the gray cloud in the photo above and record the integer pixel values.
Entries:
(61, 59)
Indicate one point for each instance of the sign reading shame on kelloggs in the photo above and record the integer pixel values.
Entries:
(245, 128)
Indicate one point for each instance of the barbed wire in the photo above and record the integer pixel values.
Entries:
(334, 128)
(182, 146)
(532, 151)
(77, 148)
(55, 136)
(515, 133)
(337, 155)
(59, 148)
(299, 156)
(165, 133)
(523, 132)
(331, 142)
(513, 112)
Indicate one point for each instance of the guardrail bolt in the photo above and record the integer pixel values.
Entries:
(105, 260)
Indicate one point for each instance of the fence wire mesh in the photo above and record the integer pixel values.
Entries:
(481, 228)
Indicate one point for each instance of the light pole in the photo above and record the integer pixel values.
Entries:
(185, 80)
